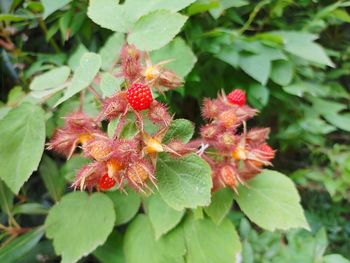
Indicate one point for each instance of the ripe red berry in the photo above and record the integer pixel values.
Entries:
(237, 97)
(106, 182)
(139, 96)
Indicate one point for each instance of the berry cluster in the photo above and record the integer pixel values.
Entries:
(234, 156)
(118, 161)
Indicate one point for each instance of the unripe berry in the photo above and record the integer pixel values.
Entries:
(139, 96)
(237, 97)
(228, 119)
(106, 182)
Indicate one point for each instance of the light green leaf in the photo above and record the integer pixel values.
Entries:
(258, 95)
(109, 14)
(112, 250)
(125, 205)
(182, 55)
(6, 198)
(22, 133)
(30, 209)
(256, 66)
(163, 218)
(111, 50)
(75, 57)
(180, 129)
(220, 206)
(201, 6)
(342, 121)
(109, 84)
(140, 244)
(207, 242)
(156, 29)
(335, 258)
(20, 246)
(50, 6)
(14, 18)
(91, 220)
(272, 202)
(54, 183)
(90, 64)
(282, 72)
(184, 182)
(70, 168)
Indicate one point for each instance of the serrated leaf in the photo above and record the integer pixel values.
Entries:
(180, 129)
(163, 218)
(22, 133)
(50, 79)
(256, 66)
(156, 29)
(182, 55)
(184, 182)
(207, 242)
(272, 202)
(51, 6)
(139, 235)
(91, 220)
(125, 205)
(111, 50)
(109, 84)
(220, 205)
(20, 246)
(54, 183)
(109, 14)
(90, 64)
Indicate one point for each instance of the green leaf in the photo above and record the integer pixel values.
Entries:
(22, 133)
(184, 182)
(109, 84)
(112, 250)
(90, 64)
(256, 66)
(182, 55)
(163, 218)
(6, 198)
(109, 14)
(180, 129)
(258, 95)
(79, 223)
(341, 121)
(282, 72)
(20, 246)
(50, 6)
(125, 205)
(71, 167)
(156, 29)
(140, 244)
(30, 209)
(54, 183)
(272, 202)
(14, 18)
(220, 206)
(335, 258)
(207, 242)
(75, 57)
(111, 50)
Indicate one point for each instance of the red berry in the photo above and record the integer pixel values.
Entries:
(106, 182)
(237, 96)
(139, 96)
(266, 149)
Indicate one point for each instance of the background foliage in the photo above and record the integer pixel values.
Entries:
(291, 57)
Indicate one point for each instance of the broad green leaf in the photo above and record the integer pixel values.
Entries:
(20, 246)
(163, 218)
(282, 72)
(184, 182)
(207, 242)
(109, 84)
(220, 205)
(54, 182)
(22, 133)
(258, 95)
(126, 205)
(90, 64)
(6, 198)
(112, 250)
(272, 202)
(180, 129)
(109, 14)
(156, 29)
(229, 54)
(256, 66)
(30, 209)
(201, 6)
(335, 258)
(111, 50)
(182, 56)
(51, 6)
(140, 244)
(70, 168)
(79, 223)
(75, 57)
(342, 121)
